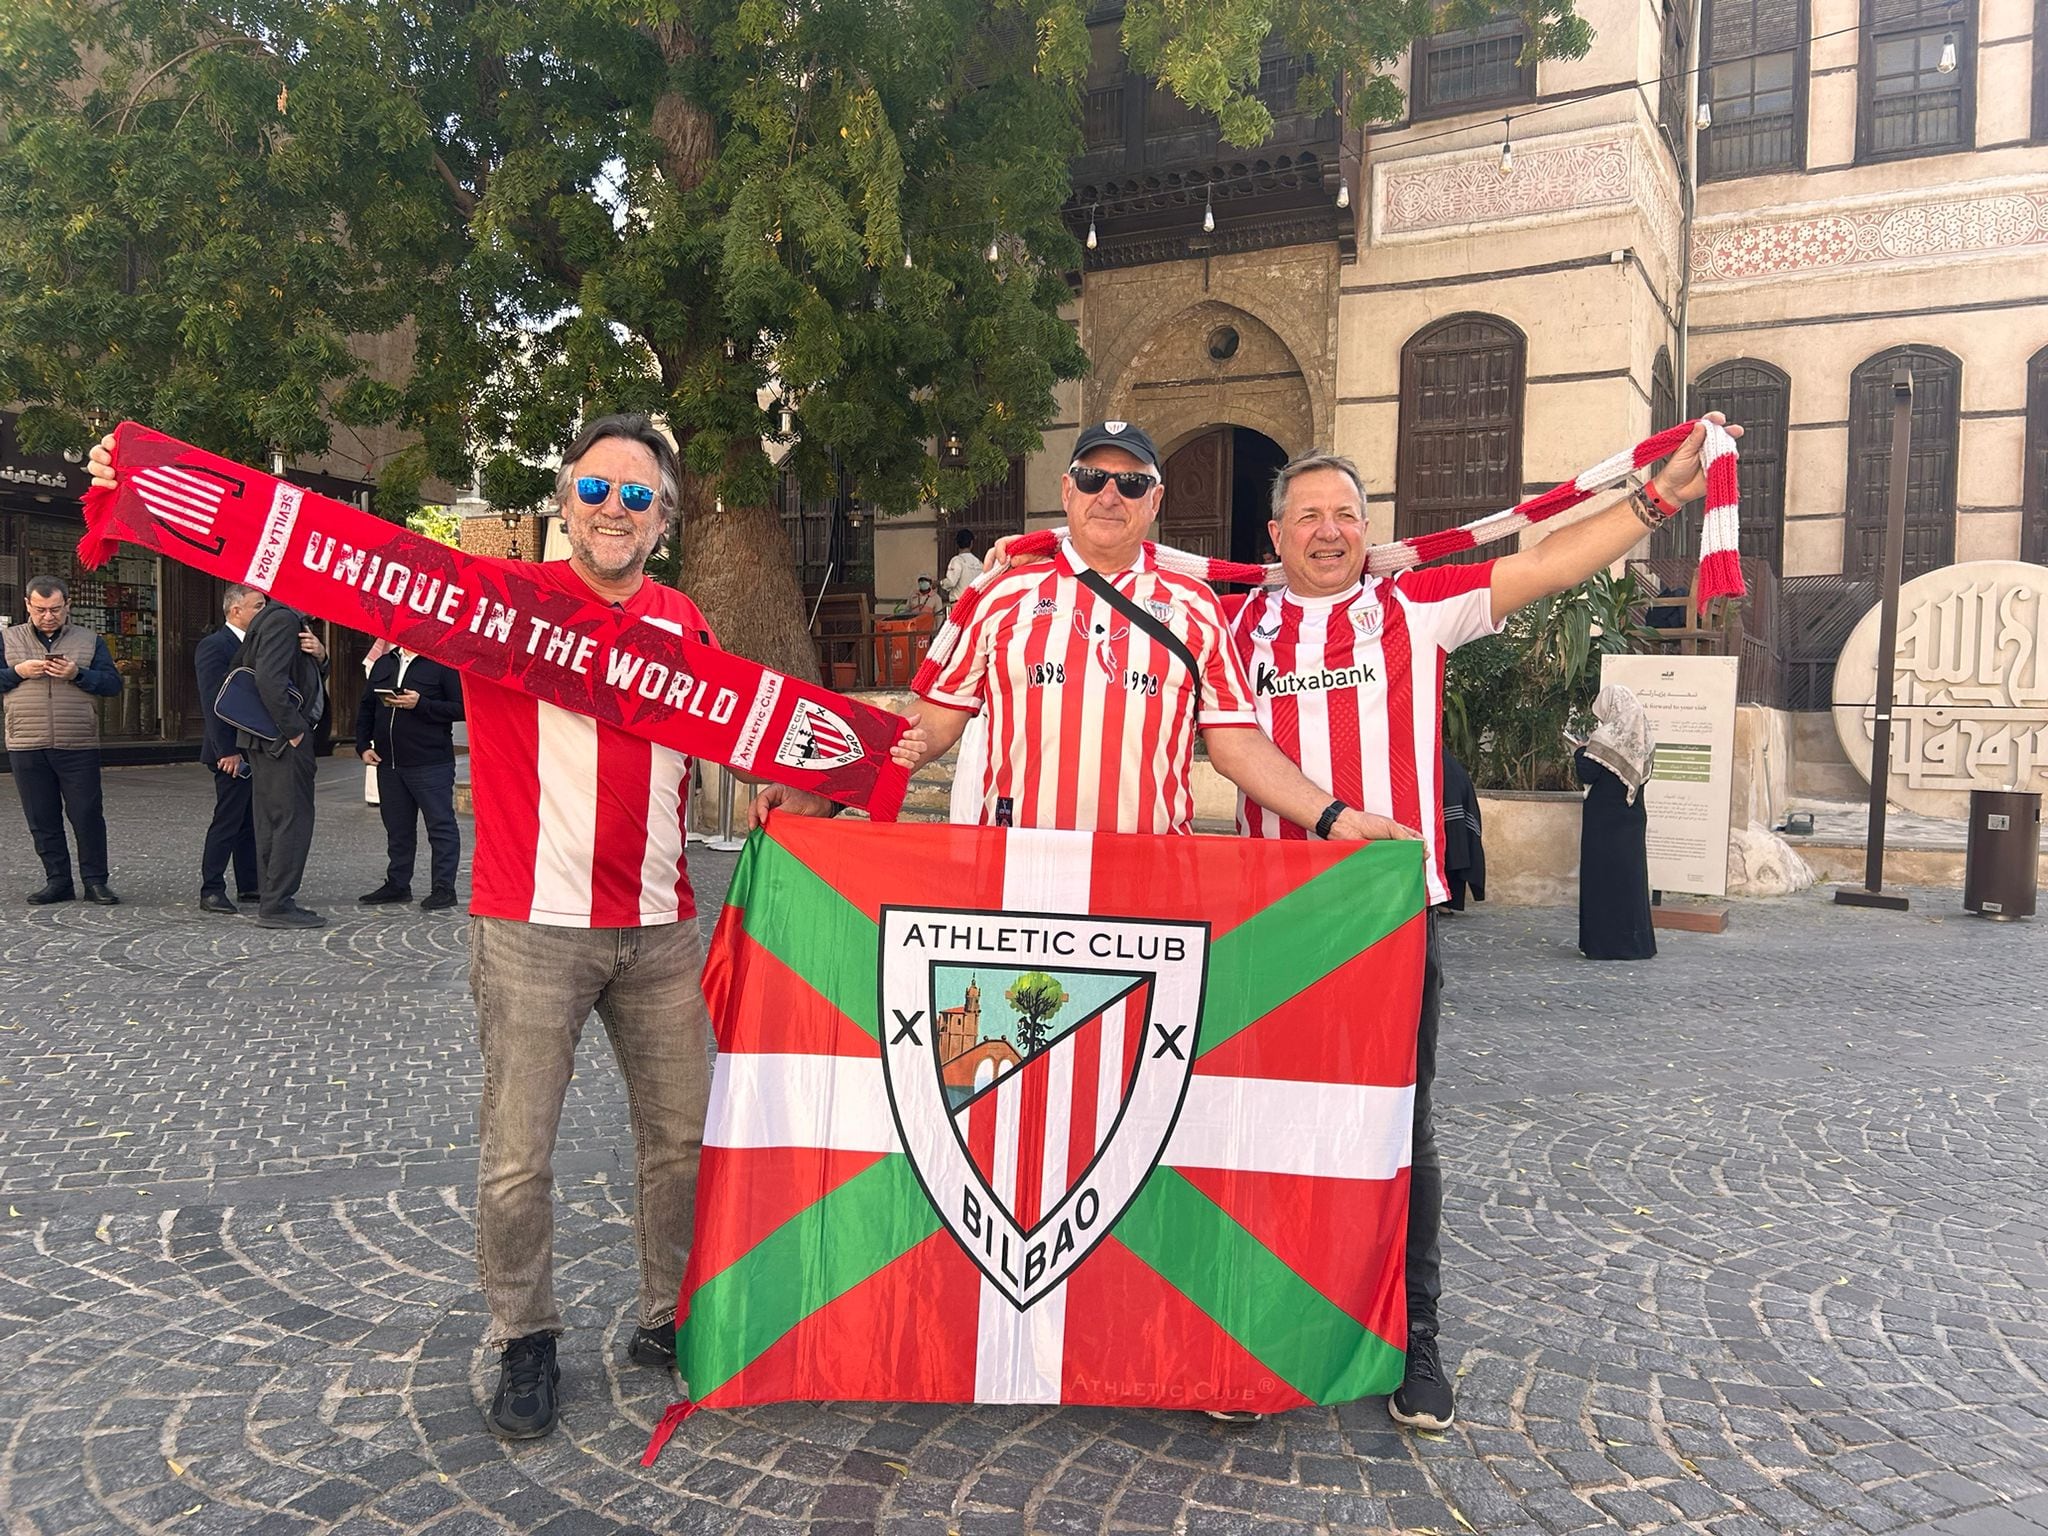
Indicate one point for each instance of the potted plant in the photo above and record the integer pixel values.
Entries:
(1509, 700)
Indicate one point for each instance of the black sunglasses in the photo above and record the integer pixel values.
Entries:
(1131, 484)
(591, 490)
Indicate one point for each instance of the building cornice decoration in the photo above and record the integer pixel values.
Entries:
(1973, 222)
(1556, 177)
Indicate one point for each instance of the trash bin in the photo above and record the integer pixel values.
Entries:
(2001, 868)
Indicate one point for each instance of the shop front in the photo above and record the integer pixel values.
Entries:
(152, 612)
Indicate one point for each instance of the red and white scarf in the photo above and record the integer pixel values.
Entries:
(491, 619)
(1720, 572)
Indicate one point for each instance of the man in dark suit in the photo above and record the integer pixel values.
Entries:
(231, 835)
(405, 729)
(286, 660)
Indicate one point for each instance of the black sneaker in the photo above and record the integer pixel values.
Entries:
(1424, 1399)
(386, 895)
(439, 899)
(523, 1407)
(653, 1346)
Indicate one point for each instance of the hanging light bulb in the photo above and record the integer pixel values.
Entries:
(1947, 66)
(1703, 115)
(1343, 192)
(1091, 229)
(732, 349)
(1208, 213)
(994, 252)
(1507, 146)
(906, 257)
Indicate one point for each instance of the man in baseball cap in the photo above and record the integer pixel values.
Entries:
(1117, 434)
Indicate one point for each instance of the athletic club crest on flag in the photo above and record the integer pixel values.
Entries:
(1022, 1116)
(1035, 1067)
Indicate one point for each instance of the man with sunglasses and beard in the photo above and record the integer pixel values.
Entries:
(580, 902)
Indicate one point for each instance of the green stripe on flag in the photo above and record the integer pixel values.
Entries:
(1287, 947)
(1289, 1326)
(812, 1259)
(788, 910)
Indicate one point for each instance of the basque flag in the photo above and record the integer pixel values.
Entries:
(1026, 1116)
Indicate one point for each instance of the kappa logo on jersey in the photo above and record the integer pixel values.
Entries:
(1045, 606)
(817, 738)
(1368, 619)
(1036, 1064)
(1109, 644)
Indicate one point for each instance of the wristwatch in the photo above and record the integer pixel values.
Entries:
(1328, 820)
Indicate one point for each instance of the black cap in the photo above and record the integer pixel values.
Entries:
(1117, 434)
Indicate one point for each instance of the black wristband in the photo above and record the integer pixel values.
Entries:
(1328, 819)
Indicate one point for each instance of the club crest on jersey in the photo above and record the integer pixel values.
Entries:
(818, 738)
(1161, 611)
(1367, 620)
(1108, 643)
(1089, 1021)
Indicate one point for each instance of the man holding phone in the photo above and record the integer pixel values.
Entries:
(405, 729)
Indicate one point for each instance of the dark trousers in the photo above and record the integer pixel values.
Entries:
(281, 805)
(55, 783)
(405, 798)
(1425, 1174)
(230, 837)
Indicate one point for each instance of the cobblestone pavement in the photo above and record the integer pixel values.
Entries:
(1751, 1239)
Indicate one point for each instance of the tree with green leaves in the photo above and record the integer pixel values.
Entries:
(469, 223)
(1036, 997)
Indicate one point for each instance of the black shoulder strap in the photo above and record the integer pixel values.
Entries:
(1097, 583)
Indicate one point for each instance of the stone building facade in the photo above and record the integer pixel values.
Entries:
(1871, 188)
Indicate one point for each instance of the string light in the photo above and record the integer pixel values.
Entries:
(1507, 147)
(1091, 229)
(1947, 66)
(906, 257)
(994, 252)
(1208, 213)
(1703, 115)
(1343, 192)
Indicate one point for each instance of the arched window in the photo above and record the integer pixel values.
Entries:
(1461, 425)
(2034, 515)
(1931, 478)
(1756, 395)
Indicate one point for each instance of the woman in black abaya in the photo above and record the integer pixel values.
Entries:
(1614, 868)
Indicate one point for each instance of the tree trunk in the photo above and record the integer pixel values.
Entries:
(736, 568)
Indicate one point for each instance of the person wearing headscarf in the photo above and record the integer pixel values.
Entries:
(1614, 868)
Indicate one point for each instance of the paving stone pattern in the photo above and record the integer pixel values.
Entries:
(1752, 1239)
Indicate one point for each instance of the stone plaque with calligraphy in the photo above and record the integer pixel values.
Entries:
(1971, 696)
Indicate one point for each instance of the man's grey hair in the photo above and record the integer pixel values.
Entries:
(634, 427)
(48, 586)
(235, 593)
(1314, 461)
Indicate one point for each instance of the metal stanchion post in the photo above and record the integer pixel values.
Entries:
(725, 842)
(690, 792)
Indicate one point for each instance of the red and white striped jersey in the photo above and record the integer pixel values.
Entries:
(578, 823)
(1091, 722)
(1351, 688)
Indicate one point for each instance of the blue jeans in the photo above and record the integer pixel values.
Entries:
(535, 986)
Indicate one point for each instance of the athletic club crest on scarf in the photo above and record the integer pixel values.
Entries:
(1035, 1067)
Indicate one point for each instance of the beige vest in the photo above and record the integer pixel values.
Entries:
(47, 711)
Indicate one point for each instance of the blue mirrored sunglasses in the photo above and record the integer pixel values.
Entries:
(591, 490)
